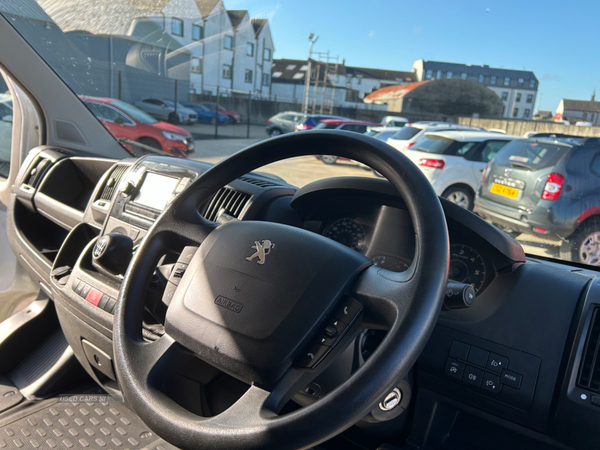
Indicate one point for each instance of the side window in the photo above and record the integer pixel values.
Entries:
(490, 149)
(595, 167)
(6, 117)
(463, 149)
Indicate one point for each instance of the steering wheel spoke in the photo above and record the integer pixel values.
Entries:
(386, 296)
(152, 359)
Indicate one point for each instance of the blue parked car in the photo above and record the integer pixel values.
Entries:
(205, 115)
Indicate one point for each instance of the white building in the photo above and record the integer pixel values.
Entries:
(346, 86)
(517, 88)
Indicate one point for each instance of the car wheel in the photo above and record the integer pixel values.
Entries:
(150, 143)
(212, 120)
(173, 118)
(328, 159)
(461, 196)
(230, 120)
(583, 246)
(275, 132)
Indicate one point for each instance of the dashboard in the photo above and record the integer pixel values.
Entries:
(531, 317)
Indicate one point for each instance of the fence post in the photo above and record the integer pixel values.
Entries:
(175, 101)
(248, 114)
(217, 115)
(119, 85)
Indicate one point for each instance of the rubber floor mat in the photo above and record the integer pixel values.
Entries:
(69, 423)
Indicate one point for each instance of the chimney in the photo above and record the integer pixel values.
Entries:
(594, 96)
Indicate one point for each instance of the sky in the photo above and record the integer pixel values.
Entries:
(557, 40)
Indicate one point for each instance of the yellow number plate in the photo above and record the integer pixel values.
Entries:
(505, 191)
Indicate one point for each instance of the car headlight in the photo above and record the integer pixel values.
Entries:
(173, 136)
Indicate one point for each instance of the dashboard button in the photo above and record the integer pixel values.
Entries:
(454, 368)
(459, 350)
(478, 356)
(496, 363)
(85, 290)
(491, 382)
(473, 375)
(511, 379)
(94, 296)
(103, 301)
(348, 310)
(79, 287)
(110, 305)
(312, 356)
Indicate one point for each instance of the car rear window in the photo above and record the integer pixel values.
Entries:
(407, 133)
(528, 154)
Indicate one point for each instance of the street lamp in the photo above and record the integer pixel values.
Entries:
(312, 39)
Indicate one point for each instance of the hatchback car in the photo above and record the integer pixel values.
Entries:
(550, 188)
(205, 115)
(312, 120)
(165, 110)
(284, 122)
(454, 160)
(232, 116)
(412, 133)
(355, 126)
(125, 121)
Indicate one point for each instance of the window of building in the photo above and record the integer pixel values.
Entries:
(463, 75)
(359, 79)
(532, 83)
(304, 67)
(428, 74)
(267, 54)
(250, 49)
(518, 96)
(481, 78)
(196, 65)
(493, 79)
(290, 67)
(439, 74)
(277, 74)
(449, 75)
(529, 98)
(351, 95)
(228, 42)
(515, 112)
(527, 113)
(248, 76)
(177, 27)
(521, 81)
(265, 80)
(506, 81)
(197, 32)
(584, 116)
(505, 96)
(298, 76)
(226, 71)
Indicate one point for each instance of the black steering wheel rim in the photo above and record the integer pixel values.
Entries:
(415, 315)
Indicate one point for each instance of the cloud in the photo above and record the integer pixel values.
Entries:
(417, 30)
(371, 34)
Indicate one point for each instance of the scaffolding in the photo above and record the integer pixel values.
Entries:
(320, 83)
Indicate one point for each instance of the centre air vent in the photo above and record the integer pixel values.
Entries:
(589, 370)
(230, 200)
(258, 182)
(112, 182)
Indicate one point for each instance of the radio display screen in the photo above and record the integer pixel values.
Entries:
(156, 191)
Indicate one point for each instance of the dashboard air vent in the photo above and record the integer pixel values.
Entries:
(230, 200)
(36, 171)
(589, 370)
(112, 182)
(259, 182)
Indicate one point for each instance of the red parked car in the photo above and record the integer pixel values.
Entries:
(232, 116)
(357, 126)
(125, 121)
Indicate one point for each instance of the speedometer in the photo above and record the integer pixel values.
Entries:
(467, 266)
(348, 232)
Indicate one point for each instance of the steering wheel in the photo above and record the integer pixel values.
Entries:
(257, 297)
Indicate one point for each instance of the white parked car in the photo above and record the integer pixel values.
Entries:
(583, 124)
(394, 121)
(415, 132)
(453, 161)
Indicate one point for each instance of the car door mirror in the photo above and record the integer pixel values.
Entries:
(8, 118)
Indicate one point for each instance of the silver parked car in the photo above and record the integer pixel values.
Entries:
(165, 110)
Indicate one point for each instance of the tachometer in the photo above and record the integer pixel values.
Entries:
(390, 263)
(348, 232)
(467, 266)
